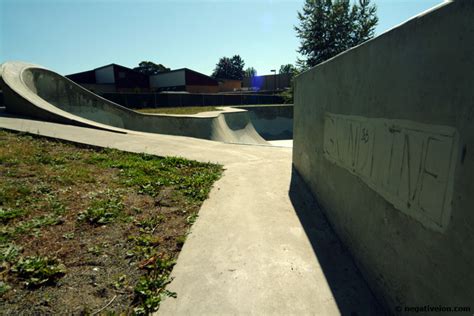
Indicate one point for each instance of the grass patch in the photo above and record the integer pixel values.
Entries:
(103, 222)
(185, 110)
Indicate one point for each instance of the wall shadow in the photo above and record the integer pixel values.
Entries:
(350, 290)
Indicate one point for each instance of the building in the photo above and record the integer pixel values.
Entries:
(227, 85)
(115, 78)
(112, 78)
(268, 82)
(184, 79)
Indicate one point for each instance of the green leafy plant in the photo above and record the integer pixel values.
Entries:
(68, 235)
(38, 222)
(150, 289)
(9, 214)
(120, 282)
(4, 287)
(150, 224)
(95, 250)
(102, 211)
(191, 219)
(9, 252)
(37, 270)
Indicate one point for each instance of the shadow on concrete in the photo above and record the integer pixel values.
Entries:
(348, 287)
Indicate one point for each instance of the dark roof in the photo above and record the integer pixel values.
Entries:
(105, 66)
(181, 69)
(193, 77)
(133, 78)
(83, 77)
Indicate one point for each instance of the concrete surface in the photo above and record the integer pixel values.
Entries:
(272, 122)
(383, 136)
(282, 143)
(260, 245)
(33, 91)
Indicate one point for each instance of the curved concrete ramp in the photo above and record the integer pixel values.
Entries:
(272, 122)
(33, 91)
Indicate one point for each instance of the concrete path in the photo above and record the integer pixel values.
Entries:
(260, 245)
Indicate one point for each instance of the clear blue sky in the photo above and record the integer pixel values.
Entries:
(69, 36)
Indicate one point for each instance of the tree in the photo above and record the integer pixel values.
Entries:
(229, 68)
(150, 68)
(250, 72)
(329, 27)
(287, 69)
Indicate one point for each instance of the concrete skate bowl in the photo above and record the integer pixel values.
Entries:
(33, 91)
(272, 122)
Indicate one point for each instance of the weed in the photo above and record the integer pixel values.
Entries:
(150, 188)
(13, 193)
(180, 241)
(56, 206)
(68, 235)
(9, 252)
(191, 219)
(102, 211)
(137, 210)
(72, 175)
(77, 155)
(38, 222)
(150, 224)
(44, 188)
(6, 233)
(95, 250)
(150, 289)
(9, 214)
(121, 282)
(4, 287)
(149, 292)
(144, 245)
(37, 270)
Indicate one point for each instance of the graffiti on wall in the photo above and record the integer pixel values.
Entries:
(410, 164)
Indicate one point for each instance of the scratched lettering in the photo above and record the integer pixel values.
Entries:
(410, 164)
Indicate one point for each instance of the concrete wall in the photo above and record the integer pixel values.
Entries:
(384, 137)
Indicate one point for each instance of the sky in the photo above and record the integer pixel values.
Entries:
(69, 36)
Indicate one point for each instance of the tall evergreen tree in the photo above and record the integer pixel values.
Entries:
(329, 27)
(250, 72)
(238, 67)
(287, 69)
(229, 68)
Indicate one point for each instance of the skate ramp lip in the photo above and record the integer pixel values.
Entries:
(34, 91)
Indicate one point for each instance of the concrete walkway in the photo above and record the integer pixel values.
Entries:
(260, 245)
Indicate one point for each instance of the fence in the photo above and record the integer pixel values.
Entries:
(146, 100)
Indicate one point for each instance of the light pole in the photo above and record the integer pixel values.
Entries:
(274, 80)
